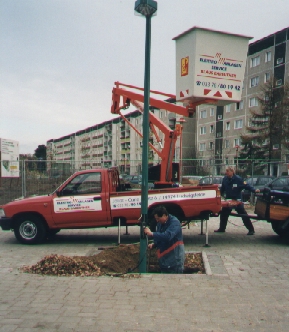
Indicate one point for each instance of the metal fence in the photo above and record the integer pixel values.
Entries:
(44, 177)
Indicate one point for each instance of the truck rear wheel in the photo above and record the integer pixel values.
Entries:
(279, 227)
(30, 229)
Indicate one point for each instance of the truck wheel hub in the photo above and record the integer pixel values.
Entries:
(28, 230)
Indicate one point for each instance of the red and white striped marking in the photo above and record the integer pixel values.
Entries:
(219, 94)
(184, 93)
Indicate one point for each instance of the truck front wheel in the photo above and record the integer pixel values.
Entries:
(30, 229)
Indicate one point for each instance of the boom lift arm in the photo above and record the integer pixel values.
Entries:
(122, 98)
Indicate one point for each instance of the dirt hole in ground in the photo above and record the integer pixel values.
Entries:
(115, 261)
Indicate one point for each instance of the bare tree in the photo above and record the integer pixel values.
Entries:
(268, 132)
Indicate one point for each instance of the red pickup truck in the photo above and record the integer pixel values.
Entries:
(96, 198)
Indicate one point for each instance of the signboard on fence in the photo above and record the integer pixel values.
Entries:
(9, 156)
(210, 64)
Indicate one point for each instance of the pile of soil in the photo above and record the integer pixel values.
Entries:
(115, 261)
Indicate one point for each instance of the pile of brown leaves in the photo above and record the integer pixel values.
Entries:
(63, 266)
(115, 261)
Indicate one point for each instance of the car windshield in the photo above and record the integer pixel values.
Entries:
(251, 181)
(264, 181)
(280, 182)
(209, 179)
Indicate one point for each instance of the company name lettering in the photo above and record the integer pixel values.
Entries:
(77, 202)
(226, 63)
(215, 73)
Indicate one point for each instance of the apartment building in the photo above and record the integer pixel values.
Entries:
(218, 129)
(111, 143)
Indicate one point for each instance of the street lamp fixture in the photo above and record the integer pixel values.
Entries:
(146, 8)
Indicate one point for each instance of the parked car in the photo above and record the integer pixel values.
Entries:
(191, 180)
(135, 181)
(280, 183)
(258, 182)
(215, 179)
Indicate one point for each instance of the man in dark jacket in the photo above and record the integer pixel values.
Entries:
(168, 239)
(232, 186)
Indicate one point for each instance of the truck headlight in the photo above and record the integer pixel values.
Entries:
(2, 213)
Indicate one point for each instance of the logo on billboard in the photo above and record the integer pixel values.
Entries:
(185, 66)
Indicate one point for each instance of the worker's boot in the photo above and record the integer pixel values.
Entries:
(223, 221)
(219, 230)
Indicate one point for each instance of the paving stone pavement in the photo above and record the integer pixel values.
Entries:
(246, 288)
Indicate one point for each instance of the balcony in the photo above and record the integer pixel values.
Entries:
(124, 139)
(86, 139)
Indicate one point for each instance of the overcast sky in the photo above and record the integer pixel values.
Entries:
(59, 59)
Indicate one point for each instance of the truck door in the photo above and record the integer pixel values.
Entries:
(82, 202)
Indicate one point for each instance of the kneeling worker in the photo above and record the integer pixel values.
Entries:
(168, 239)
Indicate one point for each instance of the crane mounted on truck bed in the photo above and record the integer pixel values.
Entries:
(122, 98)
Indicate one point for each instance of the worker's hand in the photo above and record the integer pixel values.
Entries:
(147, 231)
(257, 190)
(150, 245)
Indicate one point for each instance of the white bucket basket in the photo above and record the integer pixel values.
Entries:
(210, 65)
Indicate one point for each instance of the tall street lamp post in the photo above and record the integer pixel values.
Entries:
(146, 8)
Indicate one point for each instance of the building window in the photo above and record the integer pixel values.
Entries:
(237, 142)
(253, 102)
(227, 144)
(202, 146)
(240, 105)
(279, 82)
(238, 124)
(279, 61)
(266, 77)
(254, 81)
(211, 146)
(228, 108)
(203, 114)
(255, 61)
(212, 111)
(211, 129)
(227, 125)
(275, 146)
(203, 130)
(161, 114)
(268, 56)
(266, 141)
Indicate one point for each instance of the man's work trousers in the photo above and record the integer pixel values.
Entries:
(224, 215)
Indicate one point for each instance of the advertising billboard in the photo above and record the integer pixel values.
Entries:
(210, 64)
(9, 156)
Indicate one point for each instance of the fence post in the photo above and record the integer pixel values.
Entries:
(23, 179)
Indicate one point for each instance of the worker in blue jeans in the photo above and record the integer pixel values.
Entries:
(232, 186)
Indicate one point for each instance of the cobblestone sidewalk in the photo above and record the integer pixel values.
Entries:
(247, 288)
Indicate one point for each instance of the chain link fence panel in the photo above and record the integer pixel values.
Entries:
(40, 177)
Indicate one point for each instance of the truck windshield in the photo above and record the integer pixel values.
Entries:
(82, 184)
